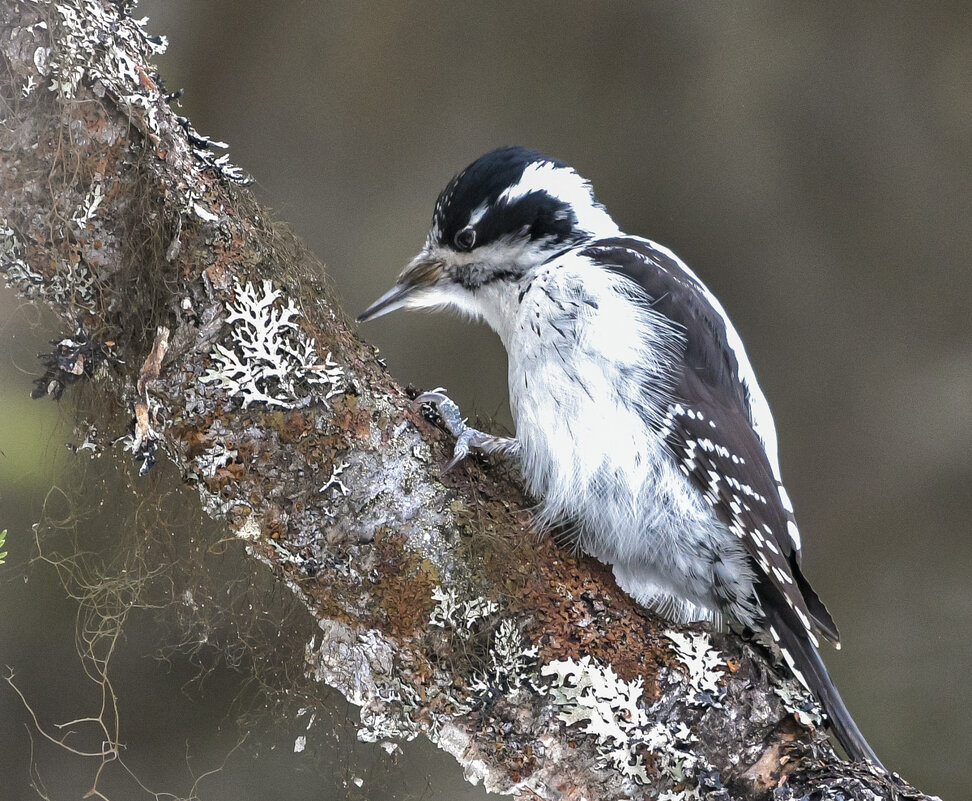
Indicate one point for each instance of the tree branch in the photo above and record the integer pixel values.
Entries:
(441, 612)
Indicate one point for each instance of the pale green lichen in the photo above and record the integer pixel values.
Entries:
(214, 458)
(705, 666)
(608, 708)
(89, 205)
(510, 661)
(91, 46)
(13, 265)
(797, 701)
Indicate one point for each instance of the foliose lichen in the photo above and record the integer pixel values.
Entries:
(13, 265)
(607, 707)
(625, 731)
(270, 360)
(704, 664)
(510, 661)
(452, 612)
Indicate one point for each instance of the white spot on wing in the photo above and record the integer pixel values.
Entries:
(791, 663)
(794, 532)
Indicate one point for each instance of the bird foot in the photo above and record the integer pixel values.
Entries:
(466, 438)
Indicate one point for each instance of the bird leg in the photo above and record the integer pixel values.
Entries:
(466, 437)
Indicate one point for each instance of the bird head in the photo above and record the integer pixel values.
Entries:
(501, 217)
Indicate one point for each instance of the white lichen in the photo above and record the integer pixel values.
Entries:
(93, 47)
(607, 707)
(385, 716)
(72, 285)
(705, 666)
(215, 458)
(251, 531)
(90, 444)
(360, 664)
(13, 265)
(29, 86)
(674, 755)
(510, 662)
(690, 794)
(284, 554)
(797, 701)
(269, 359)
(386, 725)
(334, 482)
(203, 213)
(89, 205)
(451, 612)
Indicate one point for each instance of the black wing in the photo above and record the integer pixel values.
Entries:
(711, 428)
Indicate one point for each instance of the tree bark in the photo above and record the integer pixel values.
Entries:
(441, 612)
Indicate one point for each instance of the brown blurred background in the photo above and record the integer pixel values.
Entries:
(811, 162)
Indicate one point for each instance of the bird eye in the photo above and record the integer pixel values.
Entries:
(465, 239)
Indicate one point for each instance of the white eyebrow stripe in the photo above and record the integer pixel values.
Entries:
(564, 184)
(477, 214)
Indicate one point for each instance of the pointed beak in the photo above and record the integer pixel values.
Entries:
(422, 273)
(393, 299)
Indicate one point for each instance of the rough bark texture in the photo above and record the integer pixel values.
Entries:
(441, 612)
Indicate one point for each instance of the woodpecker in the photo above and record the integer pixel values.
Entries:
(640, 426)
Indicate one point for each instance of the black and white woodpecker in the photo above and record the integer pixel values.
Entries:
(639, 422)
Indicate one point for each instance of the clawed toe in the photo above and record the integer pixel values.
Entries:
(466, 438)
(434, 396)
(448, 410)
(460, 452)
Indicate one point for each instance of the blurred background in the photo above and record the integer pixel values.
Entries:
(811, 162)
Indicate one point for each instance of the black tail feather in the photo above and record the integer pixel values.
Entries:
(821, 616)
(806, 663)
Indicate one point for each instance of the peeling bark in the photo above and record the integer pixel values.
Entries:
(440, 611)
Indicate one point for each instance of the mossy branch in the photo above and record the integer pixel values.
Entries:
(441, 612)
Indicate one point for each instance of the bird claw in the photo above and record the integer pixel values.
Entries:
(470, 438)
(466, 437)
(447, 409)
